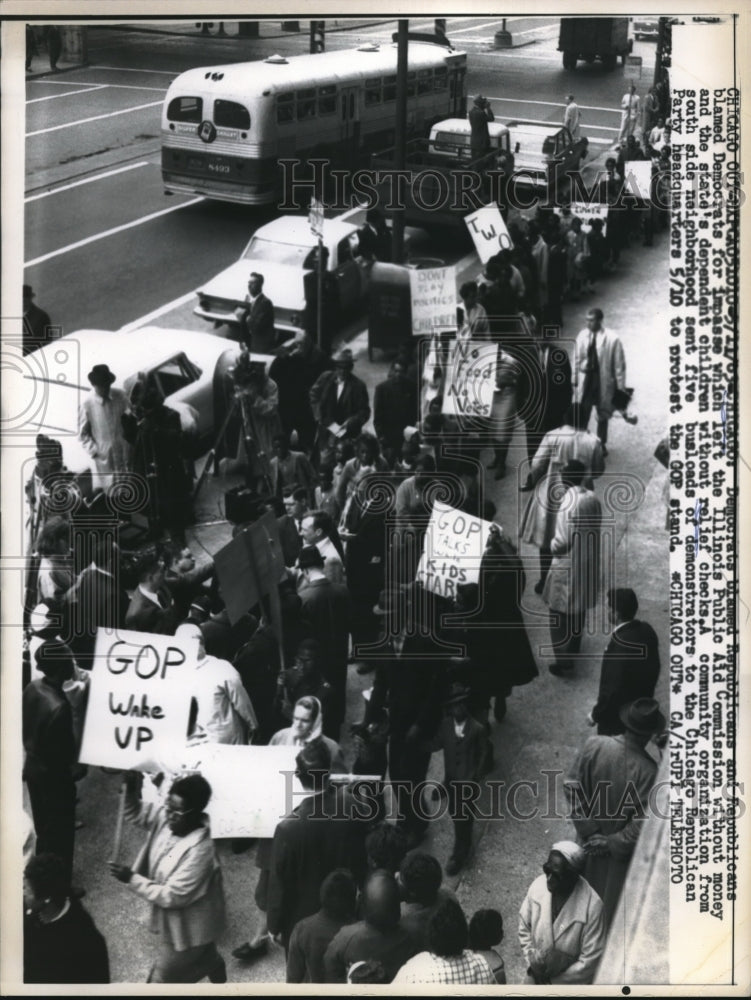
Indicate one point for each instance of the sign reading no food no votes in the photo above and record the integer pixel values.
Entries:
(452, 551)
(433, 293)
(471, 379)
(139, 700)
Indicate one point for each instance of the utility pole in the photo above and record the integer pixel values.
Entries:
(400, 148)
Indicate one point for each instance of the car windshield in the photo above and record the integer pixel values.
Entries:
(278, 253)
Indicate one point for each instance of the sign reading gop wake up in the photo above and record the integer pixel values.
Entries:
(452, 551)
(139, 700)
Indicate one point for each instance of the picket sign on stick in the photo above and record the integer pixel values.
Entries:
(470, 383)
(452, 550)
(586, 211)
(488, 231)
(433, 294)
(139, 700)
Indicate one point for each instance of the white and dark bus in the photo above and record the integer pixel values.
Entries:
(224, 128)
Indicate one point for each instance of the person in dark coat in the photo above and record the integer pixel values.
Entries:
(151, 607)
(479, 115)
(256, 318)
(630, 664)
(61, 943)
(374, 238)
(295, 369)
(554, 388)
(330, 306)
(394, 406)
(325, 615)
(312, 935)
(365, 557)
(37, 325)
(160, 456)
(420, 878)
(379, 936)
(49, 742)
(339, 397)
(309, 844)
(95, 601)
(305, 678)
(258, 663)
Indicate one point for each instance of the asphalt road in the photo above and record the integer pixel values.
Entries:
(136, 262)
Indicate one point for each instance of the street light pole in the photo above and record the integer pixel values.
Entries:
(400, 147)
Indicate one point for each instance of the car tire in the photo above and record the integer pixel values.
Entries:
(569, 60)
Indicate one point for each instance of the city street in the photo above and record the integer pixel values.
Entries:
(105, 249)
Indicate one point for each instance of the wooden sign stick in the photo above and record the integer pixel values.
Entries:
(119, 822)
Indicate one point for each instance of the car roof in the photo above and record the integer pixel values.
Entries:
(463, 126)
(296, 229)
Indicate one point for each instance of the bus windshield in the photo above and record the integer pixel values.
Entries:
(279, 253)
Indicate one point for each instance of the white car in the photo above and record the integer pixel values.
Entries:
(183, 362)
(452, 138)
(282, 251)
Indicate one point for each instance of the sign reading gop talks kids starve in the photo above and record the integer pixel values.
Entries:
(471, 378)
(452, 551)
(433, 293)
(139, 700)
(488, 232)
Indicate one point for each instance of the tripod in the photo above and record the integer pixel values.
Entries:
(258, 468)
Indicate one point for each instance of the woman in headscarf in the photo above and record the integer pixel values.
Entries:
(306, 728)
(569, 441)
(561, 926)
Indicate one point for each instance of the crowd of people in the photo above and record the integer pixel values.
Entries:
(354, 900)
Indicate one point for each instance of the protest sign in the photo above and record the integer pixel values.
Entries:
(637, 178)
(588, 211)
(252, 788)
(250, 566)
(471, 379)
(632, 68)
(433, 293)
(488, 232)
(452, 551)
(139, 700)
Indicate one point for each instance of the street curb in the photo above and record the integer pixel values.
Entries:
(58, 71)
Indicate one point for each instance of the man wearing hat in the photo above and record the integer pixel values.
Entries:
(100, 427)
(340, 403)
(479, 115)
(609, 794)
(37, 326)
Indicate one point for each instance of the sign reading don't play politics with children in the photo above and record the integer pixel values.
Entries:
(139, 700)
(433, 294)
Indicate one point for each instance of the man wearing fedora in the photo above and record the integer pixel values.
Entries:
(609, 795)
(100, 428)
(340, 403)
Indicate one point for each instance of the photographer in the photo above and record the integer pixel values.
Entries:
(479, 116)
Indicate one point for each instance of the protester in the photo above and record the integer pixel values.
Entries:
(447, 961)
(291, 470)
(319, 530)
(295, 369)
(302, 680)
(307, 727)
(485, 934)
(630, 663)
(385, 848)
(340, 403)
(561, 926)
(312, 935)
(420, 878)
(394, 406)
(96, 600)
(177, 871)
(630, 114)
(622, 767)
(61, 943)
(599, 371)
(151, 607)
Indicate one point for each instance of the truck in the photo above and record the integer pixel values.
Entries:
(445, 181)
(591, 38)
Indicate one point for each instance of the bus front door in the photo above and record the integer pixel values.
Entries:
(350, 126)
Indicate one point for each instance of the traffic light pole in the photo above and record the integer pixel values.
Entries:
(400, 145)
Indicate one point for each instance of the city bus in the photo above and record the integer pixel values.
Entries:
(224, 128)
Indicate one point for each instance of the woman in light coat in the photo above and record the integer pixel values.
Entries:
(561, 926)
(558, 447)
(177, 871)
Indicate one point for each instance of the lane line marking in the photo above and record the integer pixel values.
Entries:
(74, 93)
(130, 69)
(110, 232)
(86, 180)
(95, 118)
(554, 104)
(144, 320)
(58, 83)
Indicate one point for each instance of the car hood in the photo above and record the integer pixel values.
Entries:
(282, 283)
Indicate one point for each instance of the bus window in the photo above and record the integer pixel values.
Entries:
(389, 88)
(327, 100)
(230, 114)
(185, 109)
(306, 103)
(424, 81)
(285, 108)
(372, 91)
(440, 79)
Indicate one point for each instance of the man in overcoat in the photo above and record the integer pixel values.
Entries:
(599, 371)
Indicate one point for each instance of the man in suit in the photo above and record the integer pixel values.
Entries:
(313, 841)
(290, 524)
(256, 318)
(630, 664)
(96, 600)
(151, 607)
(599, 370)
(326, 616)
(394, 407)
(295, 369)
(339, 397)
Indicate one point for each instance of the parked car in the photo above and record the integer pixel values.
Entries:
(282, 251)
(647, 28)
(544, 154)
(450, 138)
(182, 361)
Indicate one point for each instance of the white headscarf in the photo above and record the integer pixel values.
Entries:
(572, 853)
